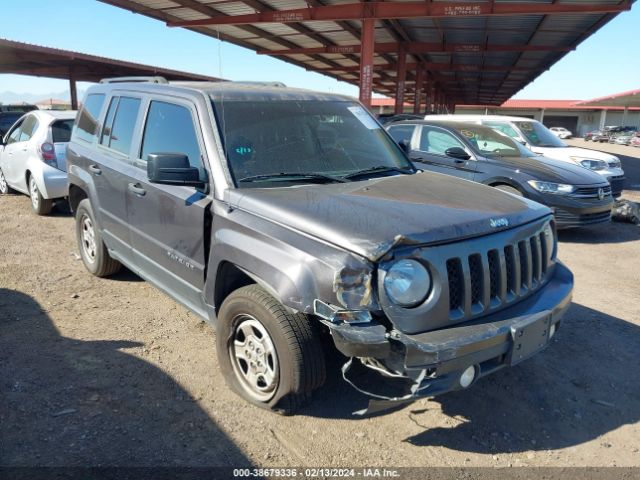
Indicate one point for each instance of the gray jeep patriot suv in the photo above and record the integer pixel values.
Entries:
(279, 215)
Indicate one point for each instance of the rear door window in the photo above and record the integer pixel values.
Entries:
(402, 133)
(29, 126)
(14, 135)
(87, 121)
(120, 124)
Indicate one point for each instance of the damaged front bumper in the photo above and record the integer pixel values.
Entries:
(453, 358)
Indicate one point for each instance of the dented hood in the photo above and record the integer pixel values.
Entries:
(370, 217)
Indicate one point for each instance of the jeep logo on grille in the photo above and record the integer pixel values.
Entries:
(601, 193)
(498, 222)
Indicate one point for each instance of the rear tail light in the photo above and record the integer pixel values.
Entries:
(48, 154)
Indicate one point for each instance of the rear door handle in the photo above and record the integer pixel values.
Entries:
(95, 170)
(137, 189)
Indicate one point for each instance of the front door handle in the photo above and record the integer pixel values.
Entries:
(137, 189)
(458, 160)
(95, 170)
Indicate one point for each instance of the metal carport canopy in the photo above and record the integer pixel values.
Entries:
(440, 52)
(629, 99)
(27, 59)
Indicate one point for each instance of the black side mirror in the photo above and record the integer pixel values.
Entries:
(172, 169)
(457, 152)
(404, 145)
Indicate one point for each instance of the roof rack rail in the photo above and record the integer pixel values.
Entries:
(264, 84)
(156, 79)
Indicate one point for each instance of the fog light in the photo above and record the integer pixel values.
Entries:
(467, 377)
(552, 330)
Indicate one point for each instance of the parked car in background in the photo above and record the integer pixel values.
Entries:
(635, 140)
(20, 107)
(600, 136)
(622, 138)
(385, 118)
(293, 215)
(474, 152)
(561, 132)
(537, 138)
(33, 157)
(6, 120)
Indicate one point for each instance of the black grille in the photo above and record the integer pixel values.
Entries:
(592, 192)
(475, 272)
(567, 219)
(510, 260)
(456, 283)
(494, 274)
(522, 269)
(524, 264)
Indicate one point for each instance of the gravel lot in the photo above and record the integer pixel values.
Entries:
(114, 373)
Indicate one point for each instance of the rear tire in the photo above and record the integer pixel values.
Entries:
(39, 204)
(268, 356)
(509, 189)
(5, 189)
(93, 251)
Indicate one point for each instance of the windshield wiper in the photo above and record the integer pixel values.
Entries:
(378, 169)
(285, 175)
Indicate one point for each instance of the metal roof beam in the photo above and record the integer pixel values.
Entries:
(456, 67)
(420, 47)
(398, 10)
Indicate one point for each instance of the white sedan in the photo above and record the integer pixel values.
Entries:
(561, 132)
(33, 157)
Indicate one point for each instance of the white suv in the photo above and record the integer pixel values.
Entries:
(538, 138)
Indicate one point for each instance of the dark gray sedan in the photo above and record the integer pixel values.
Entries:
(577, 196)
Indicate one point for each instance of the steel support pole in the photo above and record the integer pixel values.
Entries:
(401, 77)
(367, 39)
(417, 99)
(73, 92)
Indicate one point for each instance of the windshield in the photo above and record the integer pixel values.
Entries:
(538, 135)
(491, 143)
(303, 141)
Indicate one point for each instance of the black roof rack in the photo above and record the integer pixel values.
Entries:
(156, 79)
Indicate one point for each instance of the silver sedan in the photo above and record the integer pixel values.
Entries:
(33, 157)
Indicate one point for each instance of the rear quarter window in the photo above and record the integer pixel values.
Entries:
(87, 120)
(61, 131)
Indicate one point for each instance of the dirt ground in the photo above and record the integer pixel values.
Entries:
(114, 373)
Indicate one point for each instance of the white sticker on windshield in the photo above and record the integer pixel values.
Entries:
(362, 115)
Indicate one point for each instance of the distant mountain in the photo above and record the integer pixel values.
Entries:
(13, 97)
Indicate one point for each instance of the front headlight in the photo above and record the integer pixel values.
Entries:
(590, 163)
(407, 283)
(548, 187)
(614, 163)
(354, 289)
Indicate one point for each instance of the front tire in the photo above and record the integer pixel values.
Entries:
(39, 204)
(268, 356)
(93, 251)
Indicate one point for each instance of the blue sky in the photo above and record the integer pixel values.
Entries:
(605, 63)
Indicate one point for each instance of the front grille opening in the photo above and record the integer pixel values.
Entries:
(536, 261)
(475, 272)
(544, 252)
(494, 273)
(524, 266)
(456, 283)
(510, 260)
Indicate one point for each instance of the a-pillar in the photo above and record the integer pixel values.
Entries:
(366, 60)
(401, 78)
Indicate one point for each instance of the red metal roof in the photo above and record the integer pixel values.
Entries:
(481, 51)
(624, 99)
(550, 105)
